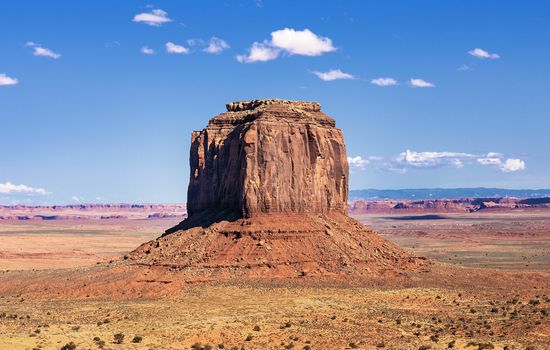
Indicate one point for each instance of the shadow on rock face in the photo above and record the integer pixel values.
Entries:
(205, 219)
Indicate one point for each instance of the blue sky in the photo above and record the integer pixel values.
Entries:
(98, 98)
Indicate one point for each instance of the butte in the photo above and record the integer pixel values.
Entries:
(267, 197)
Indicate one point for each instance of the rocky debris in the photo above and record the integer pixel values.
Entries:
(277, 245)
(267, 197)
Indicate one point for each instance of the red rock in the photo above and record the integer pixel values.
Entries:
(268, 198)
(268, 156)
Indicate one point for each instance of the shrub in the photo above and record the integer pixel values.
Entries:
(137, 339)
(69, 346)
(119, 338)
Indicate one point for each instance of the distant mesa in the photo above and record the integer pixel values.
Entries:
(446, 205)
(267, 197)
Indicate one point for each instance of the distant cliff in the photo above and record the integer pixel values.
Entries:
(460, 205)
(92, 211)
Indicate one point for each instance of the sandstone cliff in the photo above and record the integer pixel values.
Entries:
(268, 156)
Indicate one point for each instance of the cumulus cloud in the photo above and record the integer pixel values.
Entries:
(431, 160)
(259, 52)
(512, 164)
(384, 81)
(414, 159)
(9, 188)
(42, 51)
(176, 49)
(288, 41)
(506, 165)
(216, 45)
(155, 18)
(7, 80)
(304, 42)
(333, 74)
(420, 83)
(480, 53)
(146, 50)
(358, 162)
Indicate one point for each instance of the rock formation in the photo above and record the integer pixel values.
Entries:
(268, 156)
(268, 197)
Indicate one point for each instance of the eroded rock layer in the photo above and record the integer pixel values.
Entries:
(268, 156)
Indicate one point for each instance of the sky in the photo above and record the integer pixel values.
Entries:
(98, 98)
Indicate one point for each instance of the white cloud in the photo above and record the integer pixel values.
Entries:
(9, 188)
(480, 53)
(464, 68)
(333, 74)
(77, 198)
(420, 83)
(433, 159)
(155, 18)
(6, 80)
(496, 159)
(458, 160)
(175, 48)
(216, 45)
(358, 162)
(512, 164)
(384, 81)
(304, 42)
(42, 51)
(259, 52)
(146, 50)
(289, 41)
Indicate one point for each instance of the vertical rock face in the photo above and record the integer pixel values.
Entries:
(268, 156)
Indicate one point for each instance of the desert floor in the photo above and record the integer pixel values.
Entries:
(489, 290)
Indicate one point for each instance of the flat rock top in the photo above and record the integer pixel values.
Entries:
(253, 104)
(274, 110)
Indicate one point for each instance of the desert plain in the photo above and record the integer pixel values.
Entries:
(488, 288)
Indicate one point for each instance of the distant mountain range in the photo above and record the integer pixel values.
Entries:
(428, 193)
